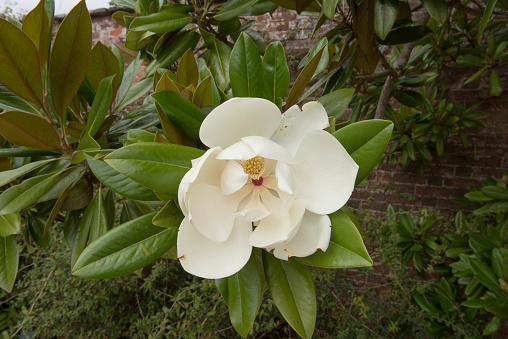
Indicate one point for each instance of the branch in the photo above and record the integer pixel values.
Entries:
(398, 67)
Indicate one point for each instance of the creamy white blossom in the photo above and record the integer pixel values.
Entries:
(268, 180)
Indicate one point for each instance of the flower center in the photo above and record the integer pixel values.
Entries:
(254, 167)
(258, 182)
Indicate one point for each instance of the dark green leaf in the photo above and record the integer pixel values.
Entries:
(275, 72)
(125, 249)
(336, 102)
(385, 14)
(157, 166)
(405, 35)
(25, 194)
(303, 79)
(242, 293)
(10, 224)
(366, 142)
(183, 113)
(292, 289)
(346, 248)
(220, 55)
(437, 8)
(246, 69)
(161, 22)
(19, 64)
(119, 182)
(70, 56)
(233, 8)
(9, 258)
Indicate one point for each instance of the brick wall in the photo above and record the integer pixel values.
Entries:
(445, 178)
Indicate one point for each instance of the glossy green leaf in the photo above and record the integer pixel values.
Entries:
(133, 209)
(366, 142)
(19, 64)
(10, 224)
(70, 56)
(275, 72)
(242, 292)
(91, 226)
(101, 105)
(118, 182)
(25, 194)
(65, 178)
(173, 50)
(329, 8)
(55, 210)
(246, 69)
(157, 166)
(409, 98)
(385, 14)
(103, 63)
(292, 289)
(491, 4)
(220, 55)
(438, 9)
(161, 22)
(11, 102)
(203, 95)
(130, 76)
(323, 62)
(25, 129)
(26, 152)
(233, 8)
(36, 27)
(169, 216)
(8, 176)
(405, 35)
(135, 92)
(495, 192)
(9, 258)
(483, 273)
(346, 248)
(79, 196)
(492, 327)
(336, 102)
(303, 79)
(187, 72)
(36, 223)
(125, 249)
(183, 113)
(496, 88)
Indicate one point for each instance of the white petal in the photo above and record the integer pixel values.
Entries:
(183, 188)
(296, 124)
(254, 210)
(325, 173)
(266, 148)
(284, 177)
(233, 178)
(237, 151)
(314, 233)
(205, 169)
(277, 229)
(212, 212)
(213, 260)
(237, 118)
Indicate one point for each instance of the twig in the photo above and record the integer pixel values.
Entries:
(35, 301)
(398, 66)
(139, 307)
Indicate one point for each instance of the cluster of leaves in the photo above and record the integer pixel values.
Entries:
(380, 48)
(422, 131)
(472, 259)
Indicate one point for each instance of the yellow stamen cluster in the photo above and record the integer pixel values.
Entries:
(254, 167)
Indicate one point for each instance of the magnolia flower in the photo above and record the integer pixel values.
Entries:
(268, 180)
